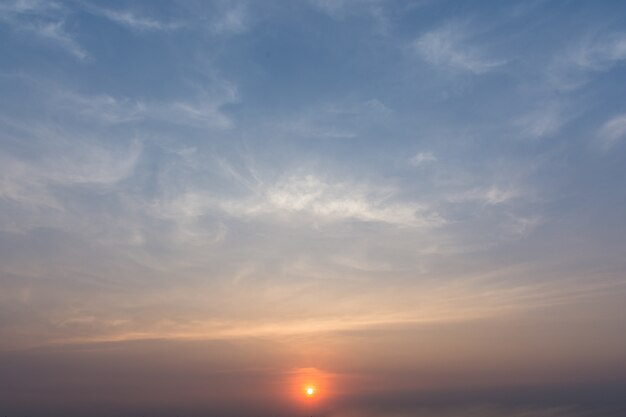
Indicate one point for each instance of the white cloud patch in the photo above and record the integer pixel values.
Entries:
(422, 158)
(612, 132)
(449, 47)
(342, 202)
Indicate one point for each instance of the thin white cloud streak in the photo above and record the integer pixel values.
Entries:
(449, 47)
(133, 21)
(45, 20)
(205, 111)
(56, 33)
(612, 132)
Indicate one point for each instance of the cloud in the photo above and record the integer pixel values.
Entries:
(339, 201)
(342, 9)
(132, 21)
(448, 47)
(232, 21)
(32, 182)
(201, 113)
(45, 20)
(422, 158)
(307, 196)
(546, 119)
(612, 132)
(203, 109)
(490, 195)
(601, 54)
(572, 68)
(338, 8)
(335, 120)
(56, 33)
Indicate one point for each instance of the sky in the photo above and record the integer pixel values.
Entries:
(414, 207)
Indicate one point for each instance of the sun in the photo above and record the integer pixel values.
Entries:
(310, 391)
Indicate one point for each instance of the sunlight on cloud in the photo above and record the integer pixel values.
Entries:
(334, 202)
(311, 196)
(419, 201)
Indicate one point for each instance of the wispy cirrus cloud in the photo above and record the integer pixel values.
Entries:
(572, 68)
(338, 9)
(45, 21)
(202, 110)
(134, 21)
(450, 47)
(233, 20)
(342, 9)
(601, 53)
(32, 182)
(307, 196)
(546, 118)
(612, 132)
(70, 150)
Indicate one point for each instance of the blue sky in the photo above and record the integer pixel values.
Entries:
(227, 170)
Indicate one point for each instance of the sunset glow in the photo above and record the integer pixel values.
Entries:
(328, 208)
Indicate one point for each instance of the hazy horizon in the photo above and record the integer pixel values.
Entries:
(411, 208)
